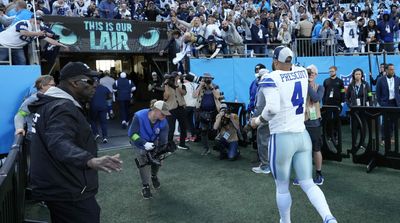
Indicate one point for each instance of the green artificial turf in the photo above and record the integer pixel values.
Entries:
(197, 188)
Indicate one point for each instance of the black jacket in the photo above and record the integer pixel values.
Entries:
(62, 143)
(336, 86)
(364, 94)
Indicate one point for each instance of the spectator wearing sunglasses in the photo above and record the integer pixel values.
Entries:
(64, 161)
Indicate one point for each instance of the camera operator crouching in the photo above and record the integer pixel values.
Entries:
(227, 125)
(149, 131)
(173, 96)
(208, 105)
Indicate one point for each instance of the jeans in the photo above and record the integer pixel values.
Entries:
(262, 144)
(124, 110)
(206, 126)
(228, 149)
(100, 116)
(190, 120)
(18, 56)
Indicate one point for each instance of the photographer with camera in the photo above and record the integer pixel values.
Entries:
(207, 106)
(227, 125)
(156, 86)
(173, 96)
(148, 130)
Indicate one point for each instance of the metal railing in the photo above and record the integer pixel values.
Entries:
(307, 47)
(33, 54)
(252, 49)
(13, 180)
(9, 61)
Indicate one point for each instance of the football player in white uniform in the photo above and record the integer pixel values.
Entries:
(285, 90)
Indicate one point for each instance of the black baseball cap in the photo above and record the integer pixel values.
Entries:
(73, 69)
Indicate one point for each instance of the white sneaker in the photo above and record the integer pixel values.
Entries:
(330, 219)
(96, 137)
(261, 170)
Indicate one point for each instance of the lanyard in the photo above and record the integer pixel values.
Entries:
(357, 89)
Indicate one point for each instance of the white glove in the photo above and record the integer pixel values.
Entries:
(148, 146)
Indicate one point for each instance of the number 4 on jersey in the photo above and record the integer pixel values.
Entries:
(297, 98)
(351, 33)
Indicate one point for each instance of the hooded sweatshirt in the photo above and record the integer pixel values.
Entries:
(61, 145)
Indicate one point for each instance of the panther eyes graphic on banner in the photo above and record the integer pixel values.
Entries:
(99, 35)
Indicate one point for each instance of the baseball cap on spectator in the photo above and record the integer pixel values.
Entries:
(259, 66)
(257, 17)
(211, 39)
(174, 74)
(73, 69)
(39, 13)
(162, 106)
(282, 54)
(208, 75)
(122, 75)
(313, 68)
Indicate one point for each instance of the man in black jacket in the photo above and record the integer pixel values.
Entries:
(63, 152)
(334, 95)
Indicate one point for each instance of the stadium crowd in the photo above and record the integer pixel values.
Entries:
(252, 27)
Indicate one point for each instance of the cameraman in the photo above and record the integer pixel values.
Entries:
(227, 139)
(148, 129)
(208, 104)
(173, 96)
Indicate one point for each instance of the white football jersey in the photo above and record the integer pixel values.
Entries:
(292, 87)
(11, 37)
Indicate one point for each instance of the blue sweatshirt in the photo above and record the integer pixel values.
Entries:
(142, 130)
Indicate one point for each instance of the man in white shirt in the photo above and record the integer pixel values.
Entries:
(190, 107)
(19, 35)
(285, 90)
(108, 82)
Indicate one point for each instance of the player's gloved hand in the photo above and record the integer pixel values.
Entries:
(148, 146)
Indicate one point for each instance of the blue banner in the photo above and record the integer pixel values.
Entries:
(15, 84)
(234, 75)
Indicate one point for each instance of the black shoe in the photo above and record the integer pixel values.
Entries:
(105, 140)
(223, 156)
(206, 152)
(146, 193)
(156, 182)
